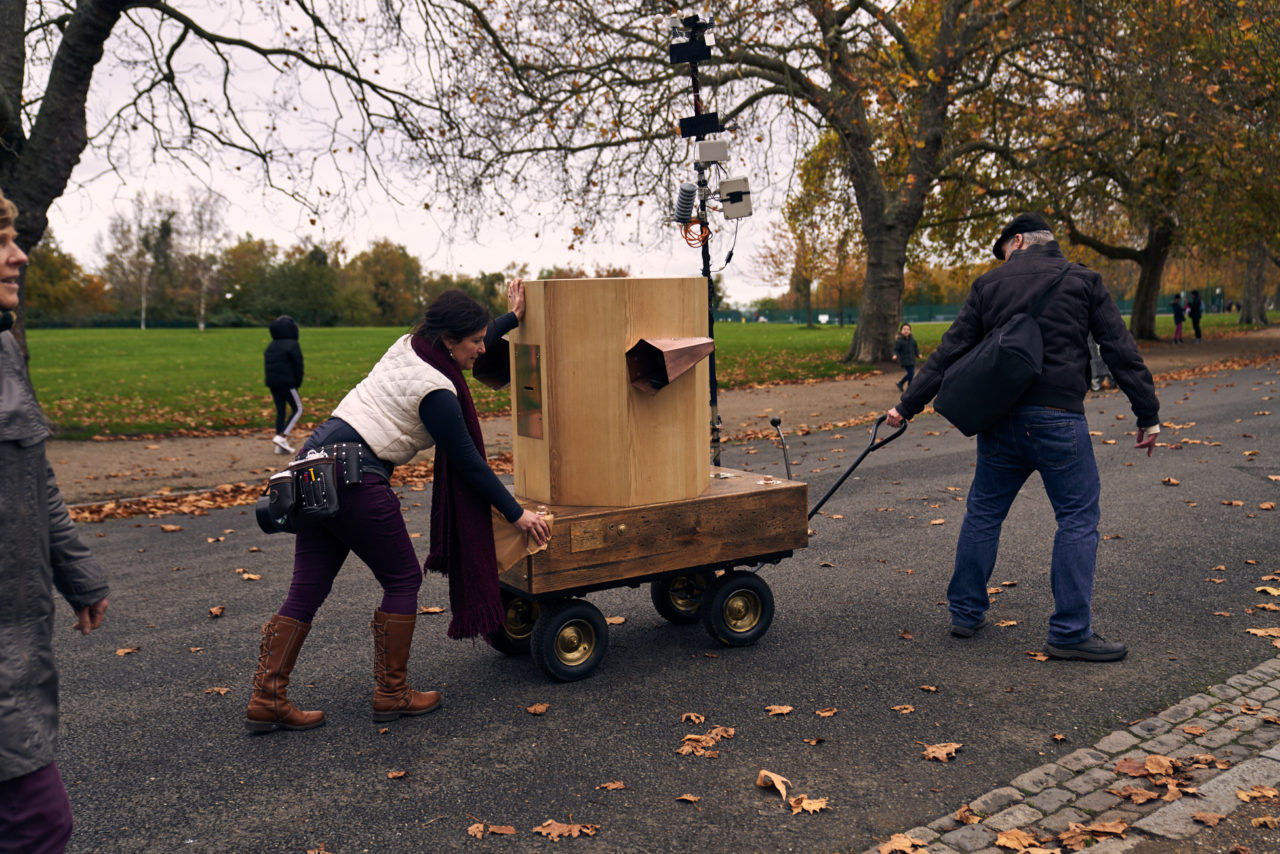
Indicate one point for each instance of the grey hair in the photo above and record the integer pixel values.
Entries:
(1030, 238)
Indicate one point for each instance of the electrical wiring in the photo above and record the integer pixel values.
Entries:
(695, 239)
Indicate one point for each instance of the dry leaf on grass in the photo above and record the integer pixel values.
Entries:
(769, 780)
(942, 752)
(538, 708)
(806, 803)
(555, 831)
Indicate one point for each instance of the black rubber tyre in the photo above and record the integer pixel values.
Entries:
(515, 636)
(679, 598)
(737, 609)
(570, 639)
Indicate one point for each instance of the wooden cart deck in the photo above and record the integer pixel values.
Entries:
(739, 518)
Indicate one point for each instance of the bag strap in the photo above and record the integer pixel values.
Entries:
(1043, 299)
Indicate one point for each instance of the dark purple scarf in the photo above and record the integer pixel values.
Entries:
(461, 523)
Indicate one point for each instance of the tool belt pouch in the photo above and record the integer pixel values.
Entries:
(348, 455)
(315, 489)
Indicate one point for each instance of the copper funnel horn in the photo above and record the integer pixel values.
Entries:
(656, 362)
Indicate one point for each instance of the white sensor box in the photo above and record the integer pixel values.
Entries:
(711, 151)
(735, 198)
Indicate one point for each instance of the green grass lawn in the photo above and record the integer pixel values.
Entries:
(114, 382)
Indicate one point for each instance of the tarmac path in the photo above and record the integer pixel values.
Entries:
(156, 759)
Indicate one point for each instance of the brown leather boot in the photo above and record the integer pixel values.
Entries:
(392, 637)
(269, 708)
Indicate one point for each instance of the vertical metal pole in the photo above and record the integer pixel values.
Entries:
(706, 272)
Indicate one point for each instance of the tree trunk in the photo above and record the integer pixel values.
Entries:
(1253, 302)
(1146, 298)
(880, 313)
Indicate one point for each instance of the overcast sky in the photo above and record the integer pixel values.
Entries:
(79, 221)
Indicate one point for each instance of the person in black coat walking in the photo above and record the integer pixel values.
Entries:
(1179, 315)
(905, 353)
(1195, 308)
(283, 367)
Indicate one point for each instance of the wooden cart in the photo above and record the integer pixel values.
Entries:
(689, 552)
(611, 417)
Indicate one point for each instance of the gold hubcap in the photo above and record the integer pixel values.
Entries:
(575, 642)
(742, 611)
(521, 615)
(686, 592)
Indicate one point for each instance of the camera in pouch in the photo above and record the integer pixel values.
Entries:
(303, 494)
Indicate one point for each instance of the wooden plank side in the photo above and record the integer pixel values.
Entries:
(667, 447)
(587, 386)
(732, 520)
(531, 457)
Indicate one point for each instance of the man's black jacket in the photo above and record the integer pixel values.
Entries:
(1080, 305)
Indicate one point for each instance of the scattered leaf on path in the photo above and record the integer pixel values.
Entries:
(769, 780)
(942, 752)
(538, 708)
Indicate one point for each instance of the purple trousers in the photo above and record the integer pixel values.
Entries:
(35, 814)
(370, 524)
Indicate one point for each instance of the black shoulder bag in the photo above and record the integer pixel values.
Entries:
(983, 384)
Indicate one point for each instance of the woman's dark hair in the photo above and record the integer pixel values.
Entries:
(453, 313)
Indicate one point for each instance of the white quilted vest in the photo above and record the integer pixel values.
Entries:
(383, 407)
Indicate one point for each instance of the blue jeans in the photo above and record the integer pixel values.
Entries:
(1055, 444)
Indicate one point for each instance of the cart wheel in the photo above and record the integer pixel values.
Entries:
(679, 597)
(514, 636)
(569, 639)
(738, 608)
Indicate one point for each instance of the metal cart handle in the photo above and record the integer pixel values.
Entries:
(872, 445)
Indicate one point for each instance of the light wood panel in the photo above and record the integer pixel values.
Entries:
(605, 443)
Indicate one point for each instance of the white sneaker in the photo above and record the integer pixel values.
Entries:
(282, 445)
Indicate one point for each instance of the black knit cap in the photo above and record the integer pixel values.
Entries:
(1021, 224)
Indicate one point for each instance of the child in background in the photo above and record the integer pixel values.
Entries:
(283, 366)
(905, 353)
(1179, 316)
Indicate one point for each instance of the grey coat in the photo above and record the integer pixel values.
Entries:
(39, 550)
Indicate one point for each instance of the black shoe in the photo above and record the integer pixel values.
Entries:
(958, 631)
(1094, 648)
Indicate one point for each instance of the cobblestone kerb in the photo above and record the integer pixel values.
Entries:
(1228, 721)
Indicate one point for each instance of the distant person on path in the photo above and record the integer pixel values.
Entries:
(283, 366)
(905, 353)
(40, 551)
(1195, 309)
(1044, 432)
(1179, 316)
(1099, 373)
(416, 396)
